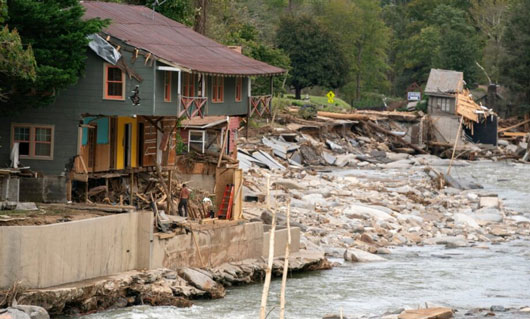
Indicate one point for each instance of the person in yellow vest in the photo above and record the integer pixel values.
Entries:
(183, 200)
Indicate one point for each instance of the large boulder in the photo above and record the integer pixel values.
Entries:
(357, 255)
(429, 313)
(488, 215)
(465, 221)
(199, 279)
(366, 212)
(11, 313)
(34, 312)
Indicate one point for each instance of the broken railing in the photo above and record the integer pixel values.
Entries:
(260, 105)
(192, 106)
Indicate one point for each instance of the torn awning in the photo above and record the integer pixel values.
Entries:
(104, 49)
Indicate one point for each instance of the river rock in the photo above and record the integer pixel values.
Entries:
(488, 215)
(429, 313)
(497, 308)
(34, 312)
(11, 313)
(463, 220)
(357, 255)
(365, 212)
(201, 281)
(489, 201)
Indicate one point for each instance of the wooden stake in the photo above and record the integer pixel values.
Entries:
(268, 272)
(224, 146)
(170, 197)
(456, 142)
(131, 197)
(268, 192)
(285, 264)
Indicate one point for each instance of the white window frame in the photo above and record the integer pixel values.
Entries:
(32, 141)
(203, 140)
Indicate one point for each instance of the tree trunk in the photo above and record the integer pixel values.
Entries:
(200, 16)
(298, 93)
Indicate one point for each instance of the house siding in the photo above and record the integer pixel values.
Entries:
(229, 105)
(65, 113)
(86, 97)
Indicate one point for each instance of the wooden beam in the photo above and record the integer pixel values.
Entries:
(515, 134)
(504, 129)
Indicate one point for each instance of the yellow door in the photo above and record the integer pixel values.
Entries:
(126, 147)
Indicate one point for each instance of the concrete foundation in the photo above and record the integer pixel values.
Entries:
(47, 189)
(280, 240)
(9, 188)
(217, 246)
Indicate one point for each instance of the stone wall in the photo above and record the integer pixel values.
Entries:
(49, 255)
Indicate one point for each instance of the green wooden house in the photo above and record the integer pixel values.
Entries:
(143, 72)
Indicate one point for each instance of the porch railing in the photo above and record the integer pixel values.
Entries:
(192, 106)
(260, 105)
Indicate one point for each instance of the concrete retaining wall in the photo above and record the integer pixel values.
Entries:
(217, 246)
(49, 255)
(280, 240)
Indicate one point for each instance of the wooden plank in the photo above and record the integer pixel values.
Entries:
(504, 129)
(515, 134)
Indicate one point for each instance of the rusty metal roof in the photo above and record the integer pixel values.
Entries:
(142, 28)
(443, 82)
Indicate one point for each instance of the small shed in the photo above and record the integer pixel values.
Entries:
(442, 86)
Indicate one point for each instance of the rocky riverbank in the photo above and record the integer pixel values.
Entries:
(160, 287)
(357, 213)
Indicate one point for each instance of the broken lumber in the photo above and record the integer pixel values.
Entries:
(343, 116)
(399, 139)
(504, 129)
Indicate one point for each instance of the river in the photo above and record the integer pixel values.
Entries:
(463, 278)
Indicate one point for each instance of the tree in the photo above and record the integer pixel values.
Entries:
(315, 59)
(16, 64)
(516, 41)
(490, 17)
(57, 34)
(438, 35)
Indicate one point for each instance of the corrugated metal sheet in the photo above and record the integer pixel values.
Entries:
(142, 28)
(444, 81)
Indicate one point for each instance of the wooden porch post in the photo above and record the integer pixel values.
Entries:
(272, 94)
(249, 89)
(179, 93)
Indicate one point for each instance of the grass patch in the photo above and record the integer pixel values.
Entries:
(321, 102)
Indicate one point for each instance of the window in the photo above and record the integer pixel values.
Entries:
(217, 89)
(239, 89)
(35, 141)
(189, 84)
(197, 139)
(114, 88)
(167, 86)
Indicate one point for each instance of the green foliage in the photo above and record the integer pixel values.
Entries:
(181, 11)
(307, 111)
(432, 34)
(516, 65)
(364, 38)
(16, 64)
(272, 56)
(57, 35)
(315, 60)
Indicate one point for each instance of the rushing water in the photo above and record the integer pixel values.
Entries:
(460, 278)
